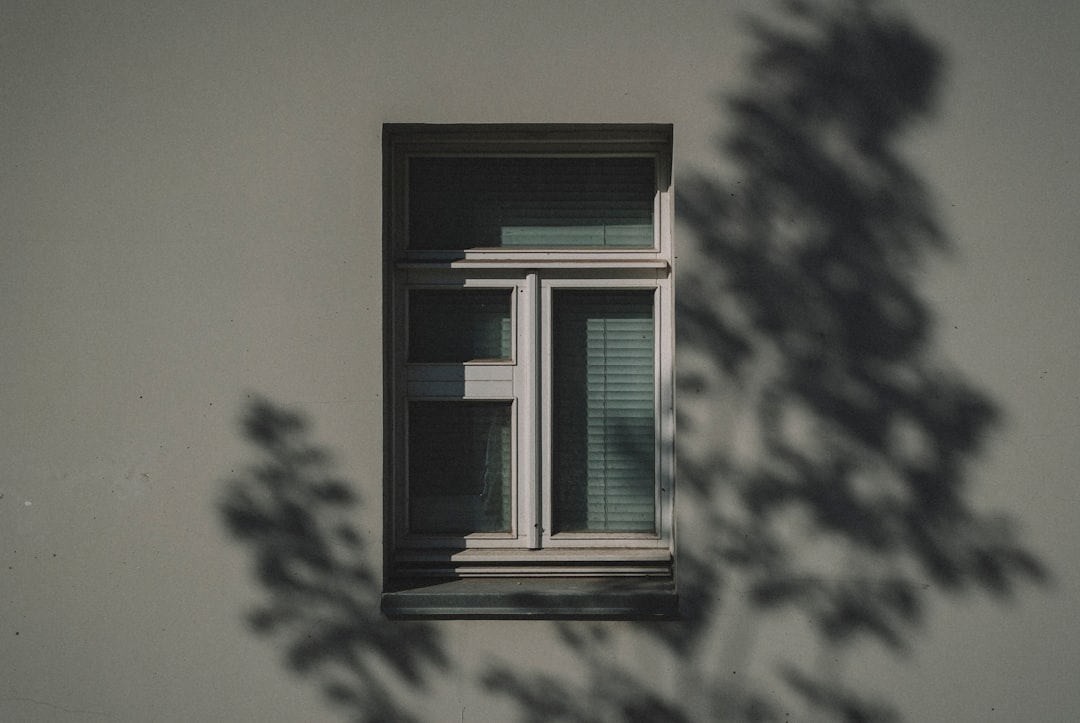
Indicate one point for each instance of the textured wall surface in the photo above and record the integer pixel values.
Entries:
(190, 214)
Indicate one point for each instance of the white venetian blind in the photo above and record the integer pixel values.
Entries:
(458, 202)
(604, 411)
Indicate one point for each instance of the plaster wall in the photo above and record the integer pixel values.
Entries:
(190, 214)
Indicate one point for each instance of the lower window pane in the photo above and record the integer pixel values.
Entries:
(604, 411)
(459, 467)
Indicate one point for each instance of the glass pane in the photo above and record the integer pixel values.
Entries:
(603, 411)
(459, 467)
(540, 202)
(459, 325)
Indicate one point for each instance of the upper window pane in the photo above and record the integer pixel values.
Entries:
(458, 202)
(459, 325)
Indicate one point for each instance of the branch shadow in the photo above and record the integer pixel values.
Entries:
(824, 445)
(298, 519)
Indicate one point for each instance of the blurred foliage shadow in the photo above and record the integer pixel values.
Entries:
(826, 479)
(842, 498)
(299, 521)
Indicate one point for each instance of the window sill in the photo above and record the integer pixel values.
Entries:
(542, 598)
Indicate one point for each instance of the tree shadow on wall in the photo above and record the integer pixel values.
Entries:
(299, 521)
(823, 445)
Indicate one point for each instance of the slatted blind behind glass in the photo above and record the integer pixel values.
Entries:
(526, 201)
(603, 411)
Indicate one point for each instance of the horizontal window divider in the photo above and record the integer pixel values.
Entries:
(471, 389)
(592, 264)
(520, 264)
(469, 371)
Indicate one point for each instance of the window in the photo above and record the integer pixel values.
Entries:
(529, 341)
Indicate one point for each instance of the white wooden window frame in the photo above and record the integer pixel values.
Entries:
(532, 276)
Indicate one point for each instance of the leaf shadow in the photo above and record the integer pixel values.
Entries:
(824, 445)
(299, 521)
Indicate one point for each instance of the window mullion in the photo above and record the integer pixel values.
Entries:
(543, 371)
(529, 449)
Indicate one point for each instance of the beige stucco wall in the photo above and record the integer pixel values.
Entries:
(190, 211)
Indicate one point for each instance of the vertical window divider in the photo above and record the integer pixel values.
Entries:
(660, 419)
(533, 411)
(544, 399)
(665, 408)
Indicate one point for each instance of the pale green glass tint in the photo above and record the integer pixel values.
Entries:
(460, 202)
(459, 325)
(459, 467)
(604, 410)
